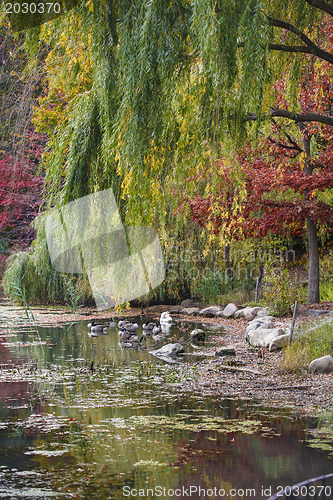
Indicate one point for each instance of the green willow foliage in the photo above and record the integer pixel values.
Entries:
(145, 55)
(169, 81)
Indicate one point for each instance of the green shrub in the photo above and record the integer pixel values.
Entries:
(326, 291)
(280, 291)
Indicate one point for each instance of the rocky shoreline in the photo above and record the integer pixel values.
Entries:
(241, 372)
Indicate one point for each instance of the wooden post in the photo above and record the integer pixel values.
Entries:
(257, 288)
(293, 322)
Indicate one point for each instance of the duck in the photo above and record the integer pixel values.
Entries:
(157, 329)
(165, 317)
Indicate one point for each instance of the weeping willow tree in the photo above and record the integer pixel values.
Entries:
(141, 94)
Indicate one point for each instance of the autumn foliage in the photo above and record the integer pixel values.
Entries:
(282, 189)
(20, 193)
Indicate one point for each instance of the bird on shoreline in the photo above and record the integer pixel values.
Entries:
(165, 317)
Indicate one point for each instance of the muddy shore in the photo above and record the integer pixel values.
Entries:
(245, 376)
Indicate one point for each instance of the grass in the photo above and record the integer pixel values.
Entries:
(312, 341)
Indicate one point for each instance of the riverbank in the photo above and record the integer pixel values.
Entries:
(249, 374)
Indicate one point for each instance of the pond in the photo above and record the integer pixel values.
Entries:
(82, 417)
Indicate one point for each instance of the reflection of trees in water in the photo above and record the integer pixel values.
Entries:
(237, 460)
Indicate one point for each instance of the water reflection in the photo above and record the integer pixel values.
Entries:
(71, 428)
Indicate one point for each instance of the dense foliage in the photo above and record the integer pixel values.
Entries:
(143, 96)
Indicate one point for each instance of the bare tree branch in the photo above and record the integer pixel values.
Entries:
(296, 117)
(322, 54)
(312, 47)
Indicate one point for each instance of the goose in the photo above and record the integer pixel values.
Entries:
(97, 328)
(148, 326)
(122, 323)
(131, 327)
(128, 325)
(157, 329)
(165, 317)
(123, 334)
(112, 324)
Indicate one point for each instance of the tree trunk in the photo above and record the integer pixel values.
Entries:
(313, 286)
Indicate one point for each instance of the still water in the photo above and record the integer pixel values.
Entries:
(81, 417)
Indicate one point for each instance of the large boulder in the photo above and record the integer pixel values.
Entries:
(239, 314)
(169, 350)
(262, 313)
(249, 313)
(229, 310)
(210, 311)
(259, 322)
(264, 336)
(322, 365)
(279, 342)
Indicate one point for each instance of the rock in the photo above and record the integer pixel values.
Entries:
(279, 342)
(229, 310)
(210, 311)
(262, 313)
(239, 314)
(322, 365)
(248, 313)
(259, 322)
(169, 350)
(263, 336)
(198, 335)
(318, 312)
(225, 351)
(190, 303)
(176, 310)
(191, 311)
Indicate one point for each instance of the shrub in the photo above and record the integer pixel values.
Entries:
(280, 291)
